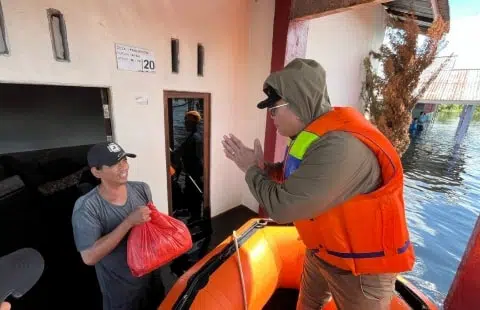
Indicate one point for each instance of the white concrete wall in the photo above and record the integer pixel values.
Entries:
(237, 37)
(340, 42)
(259, 61)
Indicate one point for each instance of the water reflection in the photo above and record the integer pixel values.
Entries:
(442, 190)
(435, 158)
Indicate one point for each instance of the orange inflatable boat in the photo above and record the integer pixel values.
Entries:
(269, 257)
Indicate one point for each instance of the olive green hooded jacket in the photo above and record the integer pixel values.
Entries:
(335, 168)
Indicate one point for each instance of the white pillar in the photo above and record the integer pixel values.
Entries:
(465, 119)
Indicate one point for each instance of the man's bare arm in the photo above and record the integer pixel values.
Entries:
(103, 246)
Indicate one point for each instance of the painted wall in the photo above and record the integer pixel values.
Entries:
(258, 68)
(340, 42)
(237, 56)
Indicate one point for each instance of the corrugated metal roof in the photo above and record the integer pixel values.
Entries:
(422, 9)
(454, 85)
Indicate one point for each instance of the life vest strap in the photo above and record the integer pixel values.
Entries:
(357, 255)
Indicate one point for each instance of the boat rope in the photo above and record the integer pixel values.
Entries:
(241, 271)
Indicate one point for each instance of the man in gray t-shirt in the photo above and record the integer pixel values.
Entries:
(101, 221)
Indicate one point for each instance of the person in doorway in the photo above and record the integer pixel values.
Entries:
(101, 221)
(342, 187)
(190, 154)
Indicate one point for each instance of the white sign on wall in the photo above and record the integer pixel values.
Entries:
(134, 58)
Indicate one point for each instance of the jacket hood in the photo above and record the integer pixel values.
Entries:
(302, 83)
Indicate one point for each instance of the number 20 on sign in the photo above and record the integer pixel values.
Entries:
(148, 64)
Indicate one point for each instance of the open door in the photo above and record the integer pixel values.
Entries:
(187, 144)
(188, 153)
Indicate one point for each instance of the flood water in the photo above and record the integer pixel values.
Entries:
(442, 195)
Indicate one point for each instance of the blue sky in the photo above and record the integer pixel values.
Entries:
(462, 8)
(463, 38)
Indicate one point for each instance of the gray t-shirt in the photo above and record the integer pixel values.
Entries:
(93, 217)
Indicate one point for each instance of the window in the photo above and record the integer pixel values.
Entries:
(3, 34)
(175, 62)
(200, 59)
(58, 33)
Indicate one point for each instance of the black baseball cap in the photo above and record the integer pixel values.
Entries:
(106, 153)
(272, 98)
(19, 271)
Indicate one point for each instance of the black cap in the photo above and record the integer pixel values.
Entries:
(106, 153)
(272, 98)
(19, 272)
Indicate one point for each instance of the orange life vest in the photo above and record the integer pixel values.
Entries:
(367, 233)
(171, 170)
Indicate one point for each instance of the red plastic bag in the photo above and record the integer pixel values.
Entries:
(156, 243)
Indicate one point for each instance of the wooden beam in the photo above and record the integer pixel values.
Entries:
(436, 11)
(309, 9)
(444, 9)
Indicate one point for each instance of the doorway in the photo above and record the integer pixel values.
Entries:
(187, 145)
(46, 131)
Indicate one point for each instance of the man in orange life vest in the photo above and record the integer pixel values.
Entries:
(341, 184)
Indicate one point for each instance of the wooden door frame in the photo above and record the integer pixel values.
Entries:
(171, 94)
(106, 95)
